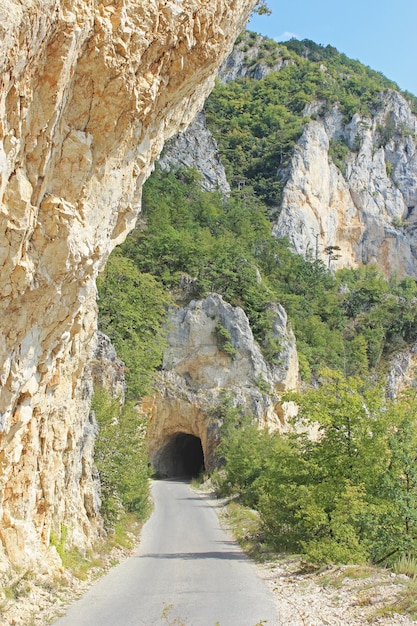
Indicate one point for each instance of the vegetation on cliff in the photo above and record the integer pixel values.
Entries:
(257, 121)
(350, 321)
(350, 494)
(120, 457)
(338, 497)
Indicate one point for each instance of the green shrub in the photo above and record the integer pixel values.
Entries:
(120, 457)
(132, 311)
(339, 152)
(224, 340)
(406, 564)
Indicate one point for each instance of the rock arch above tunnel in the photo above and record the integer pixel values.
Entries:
(181, 455)
(197, 378)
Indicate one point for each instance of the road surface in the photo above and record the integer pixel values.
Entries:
(186, 572)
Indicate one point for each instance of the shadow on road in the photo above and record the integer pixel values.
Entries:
(187, 556)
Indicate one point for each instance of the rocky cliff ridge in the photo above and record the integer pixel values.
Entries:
(196, 148)
(350, 183)
(365, 201)
(89, 93)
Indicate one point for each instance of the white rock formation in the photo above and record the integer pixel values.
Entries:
(107, 370)
(89, 93)
(244, 61)
(197, 148)
(197, 372)
(369, 209)
(402, 372)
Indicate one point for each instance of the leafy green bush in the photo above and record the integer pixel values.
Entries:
(350, 494)
(338, 152)
(132, 311)
(224, 339)
(226, 246)
(120, 457)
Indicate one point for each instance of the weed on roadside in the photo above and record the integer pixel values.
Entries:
(406, 565)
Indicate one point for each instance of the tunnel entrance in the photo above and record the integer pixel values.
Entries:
(181, 456)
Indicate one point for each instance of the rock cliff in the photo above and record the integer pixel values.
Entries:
(350, 183)
(196, 148)
(249, 59)
(363, 199)
(211, 352)
(89, 93)
(402, 371)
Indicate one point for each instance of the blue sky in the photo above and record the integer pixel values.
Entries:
(379, 33)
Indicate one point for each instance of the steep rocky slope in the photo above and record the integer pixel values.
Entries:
(365, 201)
(211, 354)
(349, 177)
(196, 148)
(350, 181)
(89, 93)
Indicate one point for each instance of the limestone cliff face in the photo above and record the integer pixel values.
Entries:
(365, 202)
(246, 61)
(351, 184)
(89, 93)
(210, 352)
(197, 148)
(107, 370)
(402, 371)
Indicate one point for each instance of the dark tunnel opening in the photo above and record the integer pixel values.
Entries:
(182, 456)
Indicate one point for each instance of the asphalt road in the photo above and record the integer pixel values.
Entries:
(186, 572)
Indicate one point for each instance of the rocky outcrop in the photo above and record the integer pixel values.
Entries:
(350, 183)
(251, 58)
(402, 371)
(211, 353)
(107, 370)
(354, 185)
(89, 93)
(197, 148)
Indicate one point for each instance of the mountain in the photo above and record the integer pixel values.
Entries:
(325, 149)
(330, 146)
(297, 275)
(293, 190)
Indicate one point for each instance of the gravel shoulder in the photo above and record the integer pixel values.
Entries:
(334, 597)
(349, 595)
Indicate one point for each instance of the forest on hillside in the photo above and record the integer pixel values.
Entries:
(349, 495)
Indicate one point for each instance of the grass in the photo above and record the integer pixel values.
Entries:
(18, 587)
(406, 565)
(336, 578)
(407, 602)
(80, 564)
(198, 481)
(245, 525)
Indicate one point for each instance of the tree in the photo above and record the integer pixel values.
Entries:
(395, 530)
(262, 8)
(120, 457)
(331, 254)
(132, 310)
(345, 464)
